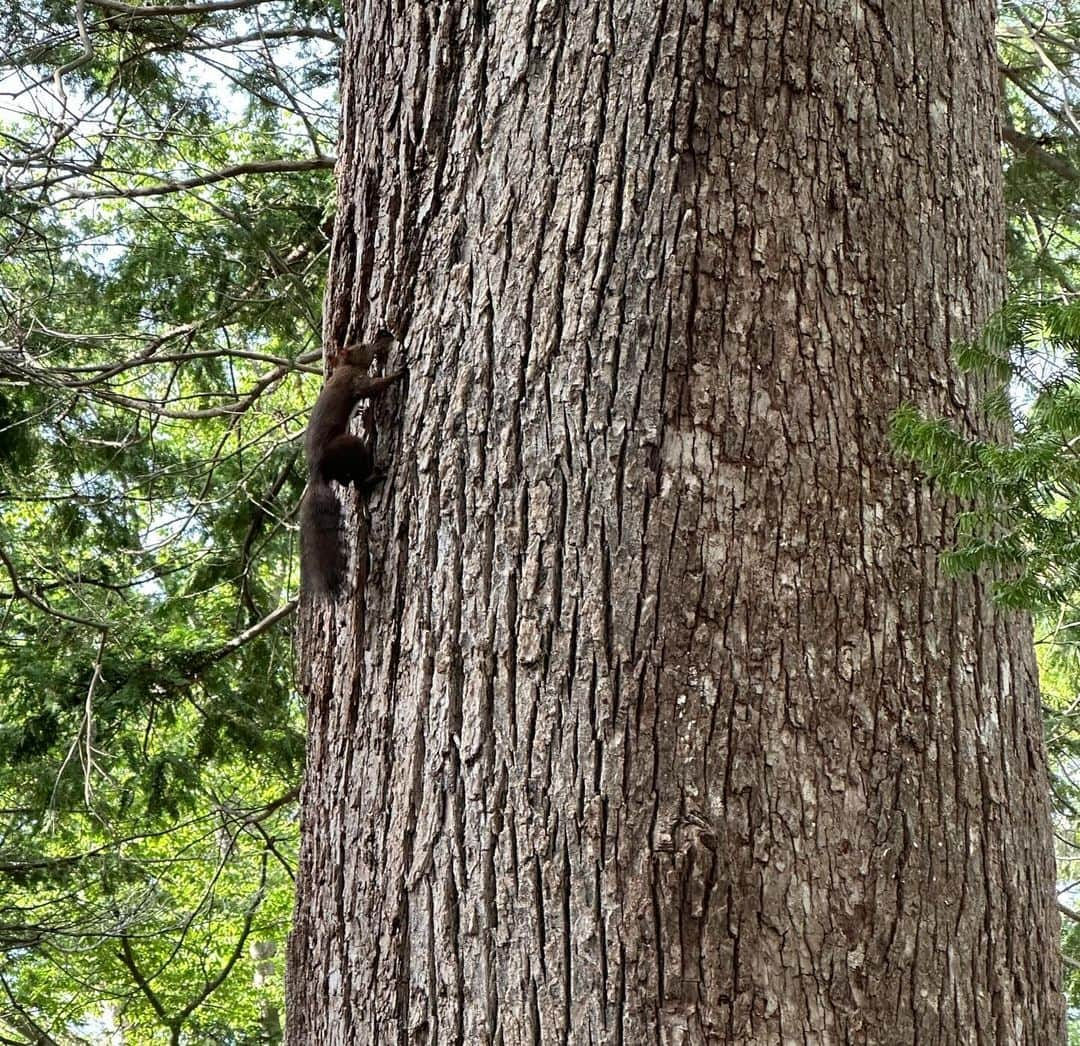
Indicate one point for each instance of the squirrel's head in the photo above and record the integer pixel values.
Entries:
(362, 355)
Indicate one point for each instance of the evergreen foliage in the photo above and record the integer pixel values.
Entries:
(164, 193)
(1020, 492)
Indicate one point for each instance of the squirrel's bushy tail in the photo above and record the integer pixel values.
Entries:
(321, 561)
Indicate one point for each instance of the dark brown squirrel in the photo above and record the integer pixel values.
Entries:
(334, 454)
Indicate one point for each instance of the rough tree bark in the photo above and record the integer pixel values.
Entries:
(657, 720)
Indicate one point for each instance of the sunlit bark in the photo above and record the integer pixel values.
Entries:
(657, 719)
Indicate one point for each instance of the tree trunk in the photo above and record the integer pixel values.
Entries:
(656, 719)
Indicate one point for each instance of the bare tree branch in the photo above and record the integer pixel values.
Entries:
(1030, 148)
(176, 10)
(256, 630)
(318, 163)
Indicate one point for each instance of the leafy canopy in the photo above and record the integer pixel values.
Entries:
(164, 212)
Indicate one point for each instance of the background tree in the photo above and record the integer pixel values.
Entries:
(163, 218)
(657, 717)
(1020, 495)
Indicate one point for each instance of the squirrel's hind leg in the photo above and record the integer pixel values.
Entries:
(347, 460)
